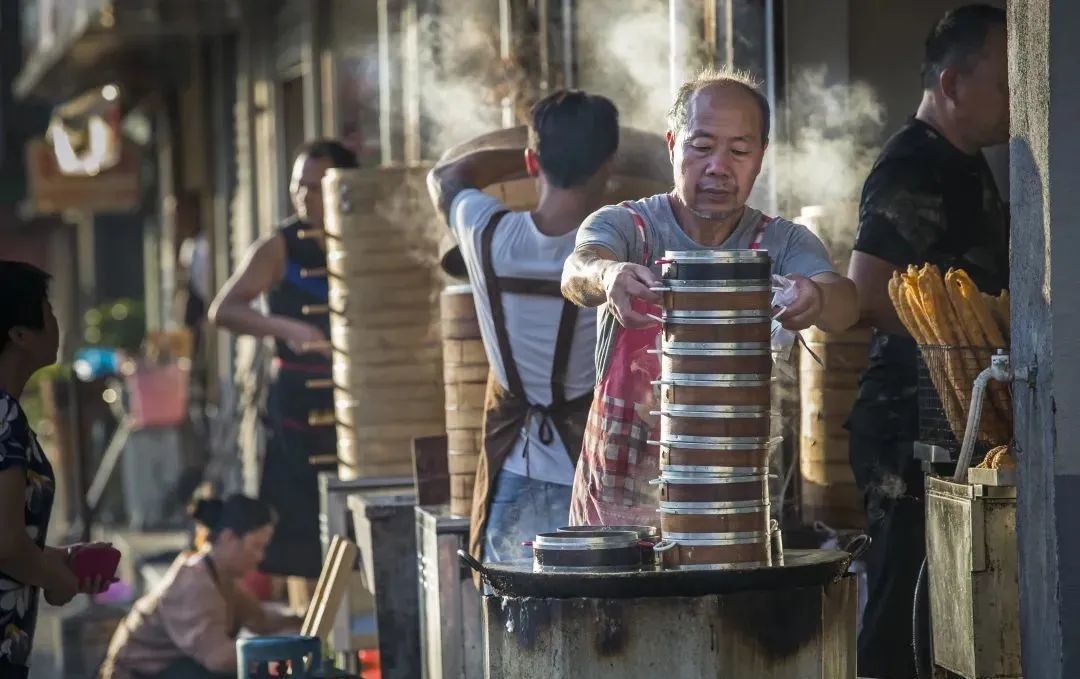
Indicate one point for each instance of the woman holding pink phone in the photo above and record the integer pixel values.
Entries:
(29, 339)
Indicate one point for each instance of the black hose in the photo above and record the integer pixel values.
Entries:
(920, 626)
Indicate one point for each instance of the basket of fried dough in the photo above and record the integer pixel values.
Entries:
(958, 330)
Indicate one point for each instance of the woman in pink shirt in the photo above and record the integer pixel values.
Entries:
(186, 628)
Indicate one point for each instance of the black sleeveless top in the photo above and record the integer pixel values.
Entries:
(295, 292)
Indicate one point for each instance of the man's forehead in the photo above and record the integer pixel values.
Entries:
(727, 111)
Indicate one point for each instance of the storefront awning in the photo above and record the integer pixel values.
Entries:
(130, 41)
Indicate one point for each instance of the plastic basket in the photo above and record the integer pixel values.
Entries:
(157, 396)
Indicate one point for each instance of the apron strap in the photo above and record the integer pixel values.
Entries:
(759, 232)
(498, 314)
(564, 337)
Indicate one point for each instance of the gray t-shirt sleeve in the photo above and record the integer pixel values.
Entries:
(611, 227)
(803, 254)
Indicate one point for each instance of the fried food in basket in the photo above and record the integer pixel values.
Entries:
(998, 458)
(958, 329)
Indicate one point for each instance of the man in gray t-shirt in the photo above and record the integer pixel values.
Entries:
(719, 129)
(793, 249)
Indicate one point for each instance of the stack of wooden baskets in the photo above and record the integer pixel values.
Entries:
(715, 409)
(384, 317)
(827, 391)
(465, 372)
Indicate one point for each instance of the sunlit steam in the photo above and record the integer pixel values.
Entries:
(831, 147)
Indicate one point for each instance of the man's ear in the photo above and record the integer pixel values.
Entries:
(947, 81)
(532, 163)
(670, 136)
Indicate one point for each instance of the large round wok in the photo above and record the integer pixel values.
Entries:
(801, 568)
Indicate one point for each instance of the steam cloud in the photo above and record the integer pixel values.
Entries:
(461, 72)
(831, 148)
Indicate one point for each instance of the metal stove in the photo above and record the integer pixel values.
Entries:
(795, 621)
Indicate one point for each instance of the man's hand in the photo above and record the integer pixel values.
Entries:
(807, 307)
(301, 337)
(623, 282)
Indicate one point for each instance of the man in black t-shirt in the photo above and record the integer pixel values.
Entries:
(929, 198)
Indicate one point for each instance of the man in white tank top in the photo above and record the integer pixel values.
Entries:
(539, 346)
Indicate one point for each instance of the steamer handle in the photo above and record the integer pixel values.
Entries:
(472, 563)
(664, 546)
(858, 546)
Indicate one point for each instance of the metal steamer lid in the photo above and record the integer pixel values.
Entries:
(698, 469)
(676, 285)
(733, 349)
(695, 285)
(730, 506)
(732, 318)
(582, 540)
(737, 381)
(714, 412)
(716, 442)
(712, 346)
(701, 539)
(715, 316)
(642, 532)
(669, 475)
(695, 537)
(714, 256)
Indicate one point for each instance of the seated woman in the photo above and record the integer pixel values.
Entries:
(186, 628)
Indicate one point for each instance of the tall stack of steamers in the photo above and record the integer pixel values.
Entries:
(715, 409)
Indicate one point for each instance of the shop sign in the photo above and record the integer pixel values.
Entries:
(50, 191)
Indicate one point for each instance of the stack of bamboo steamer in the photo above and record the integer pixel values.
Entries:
(715, 409)
(384, 317)
(828, 389)
(465, 372)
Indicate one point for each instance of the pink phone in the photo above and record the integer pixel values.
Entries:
(96, 561)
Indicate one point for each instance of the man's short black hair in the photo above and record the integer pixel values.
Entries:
(574, 134)
(957, 40)
(337, 153)
(24, 289)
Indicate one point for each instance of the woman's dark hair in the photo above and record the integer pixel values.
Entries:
(238, 513)
(958, 39)
(24, 289)
(573, 134)
(337, 153)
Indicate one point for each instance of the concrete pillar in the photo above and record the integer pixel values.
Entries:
(1044, 176)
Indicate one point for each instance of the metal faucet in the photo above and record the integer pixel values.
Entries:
(1000, 370)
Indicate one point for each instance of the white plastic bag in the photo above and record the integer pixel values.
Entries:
(783, 340)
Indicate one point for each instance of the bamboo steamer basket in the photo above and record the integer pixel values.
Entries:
(743, 550)
(687, 360)
(384, 317)
(728, 295)
(741, 390)
(717, 456)
(714, 522)
(730, 422)
(827, 393)
(465, 371)
(739, 326)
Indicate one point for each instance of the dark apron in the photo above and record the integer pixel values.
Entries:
(506, 410)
